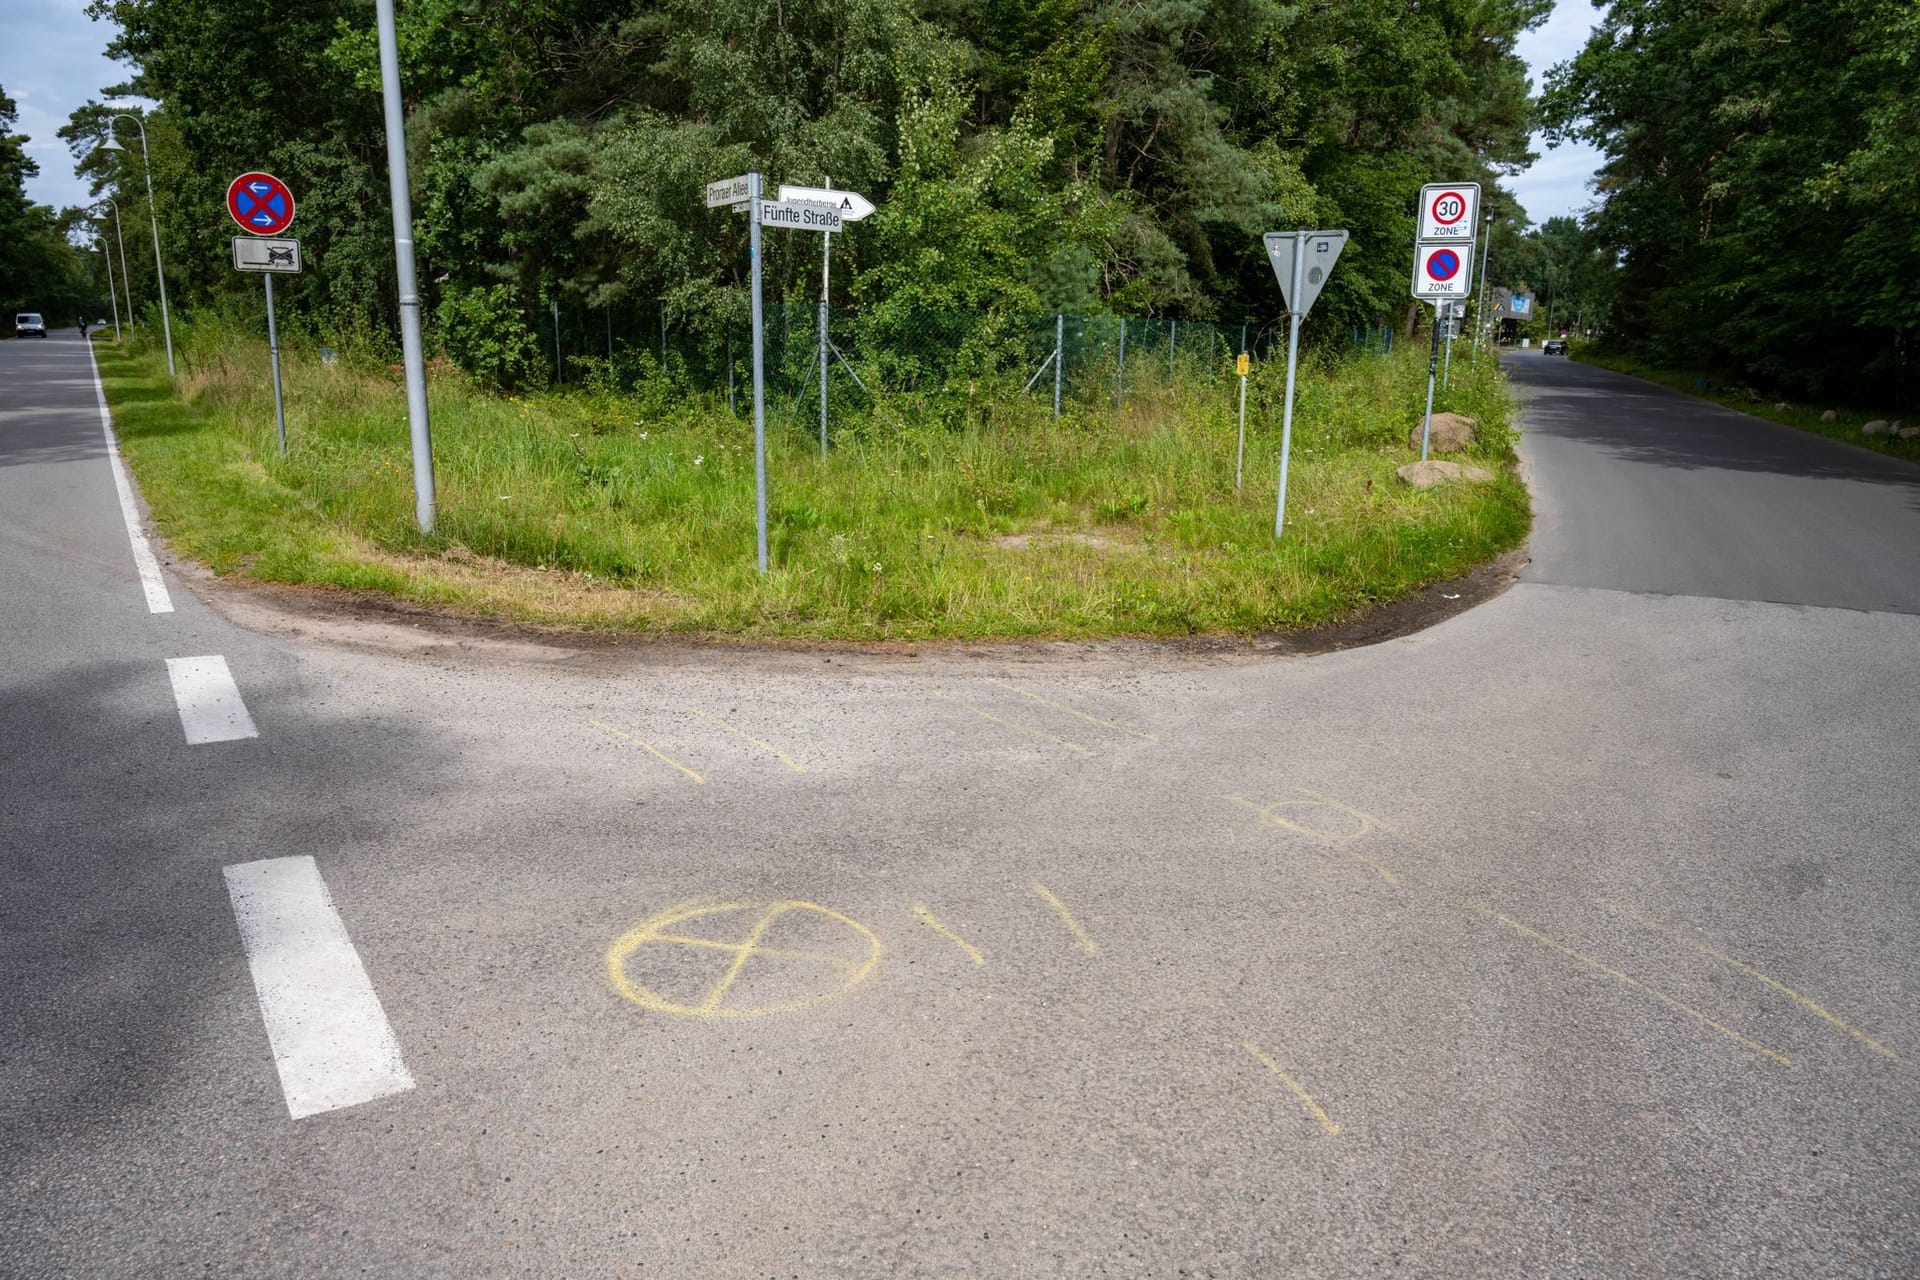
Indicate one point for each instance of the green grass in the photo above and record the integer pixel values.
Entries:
(1793, 414)
(635, 512)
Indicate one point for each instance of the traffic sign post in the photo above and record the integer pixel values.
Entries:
(1449, 211)
(263, 206)
(759, 380)
(1300, 283)
(853, 207)
(1240, 367)
(1443, 268)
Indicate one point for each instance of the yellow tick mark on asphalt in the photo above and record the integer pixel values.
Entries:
(1087, 944)
(1806, 1002)
(1074, 711)
(655, 939)
(652, 750)
(1626, 980)
(1337, 841)
(1318, 1112)
(932, 922)
(1015, 725)
(744, 736)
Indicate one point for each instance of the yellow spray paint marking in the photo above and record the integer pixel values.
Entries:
(827, 974)
(652, 750)
(1374, 822)
(1337, 841)
(744, 736)
(1806, 1002)
(1074, 711)
(1015, 725)
(933, 922)
(1317, 1111)
(1087, 944)
(1626, 980)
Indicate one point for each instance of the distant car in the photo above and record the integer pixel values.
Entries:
(28, 324)
(1554, 347)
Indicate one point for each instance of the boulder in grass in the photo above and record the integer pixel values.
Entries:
(1831, 415)
(1907, 433)
(1433, 473)
(1452, 432)
(1878, 427)
(1781, 406)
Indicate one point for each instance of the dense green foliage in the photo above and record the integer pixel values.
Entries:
(39, 269)
(1762, 187)
(1085, 155)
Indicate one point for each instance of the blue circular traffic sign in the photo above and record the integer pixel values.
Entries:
(1443, 264)
(260, 203)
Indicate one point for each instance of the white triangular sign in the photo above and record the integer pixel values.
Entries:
(1319, 249)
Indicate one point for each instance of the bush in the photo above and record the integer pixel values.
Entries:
(484, 331)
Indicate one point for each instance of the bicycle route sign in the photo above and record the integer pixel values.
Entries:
(260, 203)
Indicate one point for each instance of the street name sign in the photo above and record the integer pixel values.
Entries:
(260, 203)
(252, 253)
(852, 205)
(728, 191)
(798, 217)
(1322, 250)
(1449, 210)
(1442, 270)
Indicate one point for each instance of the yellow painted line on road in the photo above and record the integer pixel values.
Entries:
(933, 922)
(1052, 899)
(744, 736)
(1314, 1109)
(1627, 980)
(1015, 725)
(652, 750)
(1806, 1002)
(1074, 711)
(1266, 815)
(1375, 821)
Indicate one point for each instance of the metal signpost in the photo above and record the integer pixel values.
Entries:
(262, 205)
(1301, 260)
(852, 206)
(1240, 367)
(1443, 264)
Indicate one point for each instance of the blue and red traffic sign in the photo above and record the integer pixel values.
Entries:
(1443, 264)
(260, 203)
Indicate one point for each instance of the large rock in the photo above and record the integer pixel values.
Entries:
(1878, 427)
(1831, 415)
(1452, 432)
(1907, 433)
(1433, 472)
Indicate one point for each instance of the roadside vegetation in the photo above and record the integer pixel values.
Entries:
(1847, 425)
(966, 514)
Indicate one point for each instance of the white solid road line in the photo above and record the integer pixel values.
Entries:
(158, 601)
(209, 700)
(331, 1040)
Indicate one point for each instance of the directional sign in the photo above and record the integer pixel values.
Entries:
(798, 217)
(1442, 271)
(727, 191)
(282, 256)
(1449, 210)
(852, 205)
(1322, 249)
(260, 203)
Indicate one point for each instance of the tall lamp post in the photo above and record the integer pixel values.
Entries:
(411, 352)
(1480, 312)
(153, 219)
(126, 280)
(106, 251)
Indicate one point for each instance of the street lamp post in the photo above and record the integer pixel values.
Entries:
(1480, 312)
(153, 219)
(113, 296)
(126, 279)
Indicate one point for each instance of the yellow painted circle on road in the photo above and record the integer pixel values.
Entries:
(741, 959)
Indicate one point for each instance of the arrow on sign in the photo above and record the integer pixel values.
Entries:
(852, 205)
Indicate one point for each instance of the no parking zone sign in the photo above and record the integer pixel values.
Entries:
(1442, 270)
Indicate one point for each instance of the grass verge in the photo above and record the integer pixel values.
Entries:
(1846, 425)
(969, 517)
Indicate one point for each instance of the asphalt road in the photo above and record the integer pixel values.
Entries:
(1573, 936)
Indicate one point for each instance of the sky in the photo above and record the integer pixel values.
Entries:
(54, 59)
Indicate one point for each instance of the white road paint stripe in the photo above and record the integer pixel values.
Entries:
(209, 700)
(158, 601)
(331, 1040)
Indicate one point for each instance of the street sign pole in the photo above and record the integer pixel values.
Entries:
(1293, 357)
(412, 355)
(273, 350)
(759, 374)
(1446, 372)
(1240, 457)
(826, 268)
(1433, 361)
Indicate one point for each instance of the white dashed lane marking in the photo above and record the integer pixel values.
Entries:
(331, 1040)
(209, 701)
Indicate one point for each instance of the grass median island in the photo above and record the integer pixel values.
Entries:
(970, 516)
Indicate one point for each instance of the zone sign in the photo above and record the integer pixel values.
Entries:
(1449, 210)
(260, 203)
(1442, 271)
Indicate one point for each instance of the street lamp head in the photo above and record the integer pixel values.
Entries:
(109, 145)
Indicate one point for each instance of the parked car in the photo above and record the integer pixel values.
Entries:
(28, 324)
(1554, 347)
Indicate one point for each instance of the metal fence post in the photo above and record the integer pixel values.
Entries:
(1120, 374)
(1173, 336)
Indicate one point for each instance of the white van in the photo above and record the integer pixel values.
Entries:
(28, 324)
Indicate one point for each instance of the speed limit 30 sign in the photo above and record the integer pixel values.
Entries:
(1449, 210)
